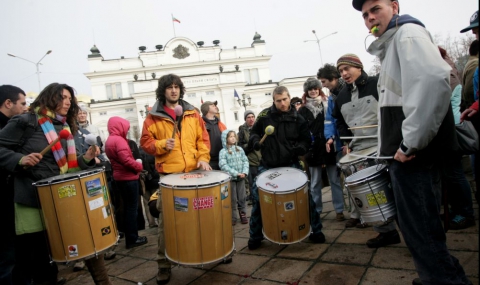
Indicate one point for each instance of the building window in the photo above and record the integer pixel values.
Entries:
(210, 93)
(103, 113)
(192, 95)
(118, 90)
(129, 110)
(254, 76)
(235, 115)
(131, 89)
(246, 73)
(108, 88)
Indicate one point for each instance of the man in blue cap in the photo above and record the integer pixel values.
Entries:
(415, 126)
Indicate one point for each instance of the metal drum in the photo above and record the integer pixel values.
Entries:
(372, 194)
(351, 162)
(197, 215)
(78, 214)
(283, 196)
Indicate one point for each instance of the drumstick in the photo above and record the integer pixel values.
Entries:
(178, 113)
(358, 137)
(363, 127)
(372, 157)
(64, 134)
(268, 131)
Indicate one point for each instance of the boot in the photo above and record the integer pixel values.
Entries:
(96, 267)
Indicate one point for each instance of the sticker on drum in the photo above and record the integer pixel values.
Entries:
(283, 179)
(224, 192)
(67, 191)
(181, 204)
(105, 231)
(94, 187)
(289, 206)
(203, 203)
(73, 250)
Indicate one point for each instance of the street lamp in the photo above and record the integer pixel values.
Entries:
(36, 64)
(318, 42)
(243, 103)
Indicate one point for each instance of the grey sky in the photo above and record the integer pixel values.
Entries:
(29, 28)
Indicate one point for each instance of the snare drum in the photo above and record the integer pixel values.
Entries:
(78, 214)
(197, 214)
(283, 195)
(372, 194)
(351, 163)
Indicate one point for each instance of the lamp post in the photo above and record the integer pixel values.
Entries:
(36, 64)
(318, 42)
(147, 110)
(242, 102)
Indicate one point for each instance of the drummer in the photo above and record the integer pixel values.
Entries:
(21, 142)
(187, 150)
(289, 140)
(356, 106)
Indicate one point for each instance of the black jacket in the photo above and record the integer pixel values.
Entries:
(289, 140)
(317, 150)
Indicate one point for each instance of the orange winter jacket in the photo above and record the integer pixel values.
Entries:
(192, 143)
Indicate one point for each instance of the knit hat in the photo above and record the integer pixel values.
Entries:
(205, 106)
(350, 59)
(311, 83)
(357, 4)
(248, 112)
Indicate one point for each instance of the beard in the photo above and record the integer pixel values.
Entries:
(171, 101)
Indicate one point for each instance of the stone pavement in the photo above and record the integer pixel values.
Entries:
(343, 259)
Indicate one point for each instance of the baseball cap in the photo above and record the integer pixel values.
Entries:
(473, 23)
(205, 106)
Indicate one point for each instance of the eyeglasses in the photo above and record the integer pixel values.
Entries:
(297, 103)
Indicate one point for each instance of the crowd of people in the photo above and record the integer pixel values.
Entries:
(407, 113)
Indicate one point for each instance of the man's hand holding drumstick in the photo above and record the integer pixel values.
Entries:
(268, 131)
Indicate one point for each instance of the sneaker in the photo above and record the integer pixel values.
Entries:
(243, 218)
(417, 281)
(254, 244)
(110, 255)
(140, 241)
(384, 239)
(79, 266)
(352, 223)
(163, 275)
(317, 238)
(340, 217)
(460, 222)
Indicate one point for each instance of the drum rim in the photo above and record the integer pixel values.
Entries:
(196, 186)
(383, 169)
(295, 190)
(279, 168)
(68, 176)
(359, 158)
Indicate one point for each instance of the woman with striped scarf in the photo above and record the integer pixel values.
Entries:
(54, 109)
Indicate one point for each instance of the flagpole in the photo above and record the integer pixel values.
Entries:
(173, 23)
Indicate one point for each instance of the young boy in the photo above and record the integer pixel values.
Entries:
(232, 159)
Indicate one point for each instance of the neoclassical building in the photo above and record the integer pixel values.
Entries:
(125, 87)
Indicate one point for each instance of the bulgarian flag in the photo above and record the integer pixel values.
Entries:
(175, 19)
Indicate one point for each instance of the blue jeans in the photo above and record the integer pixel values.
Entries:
(417, 190)
(459, 193)
(129, 192)
(256, 215)
(316, 187)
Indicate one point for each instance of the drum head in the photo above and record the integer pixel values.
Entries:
(281, 179)
(348, 158)
(68, 176)
(365, 173)
(194, 179)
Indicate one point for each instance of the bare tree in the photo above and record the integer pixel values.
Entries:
(375, 69)
(456, 47)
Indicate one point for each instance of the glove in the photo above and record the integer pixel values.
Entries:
(257, 146)
(298, 150)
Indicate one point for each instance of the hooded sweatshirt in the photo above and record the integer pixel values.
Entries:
(124, 166)
(232, 158)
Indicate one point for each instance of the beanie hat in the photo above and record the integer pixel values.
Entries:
(311, 83)
(248, 112)
(205, 106)
(350, 59)
(357, 4)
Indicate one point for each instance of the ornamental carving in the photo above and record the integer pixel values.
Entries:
(180, 52)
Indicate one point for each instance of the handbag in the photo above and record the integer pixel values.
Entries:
(467, 137)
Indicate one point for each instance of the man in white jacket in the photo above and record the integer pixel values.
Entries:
(415, 127)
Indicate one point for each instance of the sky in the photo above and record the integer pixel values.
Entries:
(29, 28)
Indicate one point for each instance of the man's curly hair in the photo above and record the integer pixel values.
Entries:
(164, 82)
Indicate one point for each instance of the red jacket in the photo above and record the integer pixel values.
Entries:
(124, 166)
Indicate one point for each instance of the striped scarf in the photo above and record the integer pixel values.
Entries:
(65, 163)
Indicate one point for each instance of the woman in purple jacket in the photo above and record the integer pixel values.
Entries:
(125, 173)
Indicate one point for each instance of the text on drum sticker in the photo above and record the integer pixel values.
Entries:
(203, 203)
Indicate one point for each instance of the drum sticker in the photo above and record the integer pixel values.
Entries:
(224, 192)
(105, 195)
(191, 175)
(273, 175)
(301, 227)
(96, 203)
(273, 185)
(181, 204)
(72, 250)
(358, 202)
(67, 191)
(94, 187)
(284, 235)
(378, 198)
(289, 206)
(267, 199)
(106, 231)
(203, 203)
(106, 211)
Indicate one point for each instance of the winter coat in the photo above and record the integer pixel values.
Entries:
(289, 140)
(125, 167)
(331, 131)
(415, 113)
(12, 150)
(254, 156)
(468, 95)
(317, 151)
(232, 159)
(357, 105)
(214, 128)
(192, 143)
